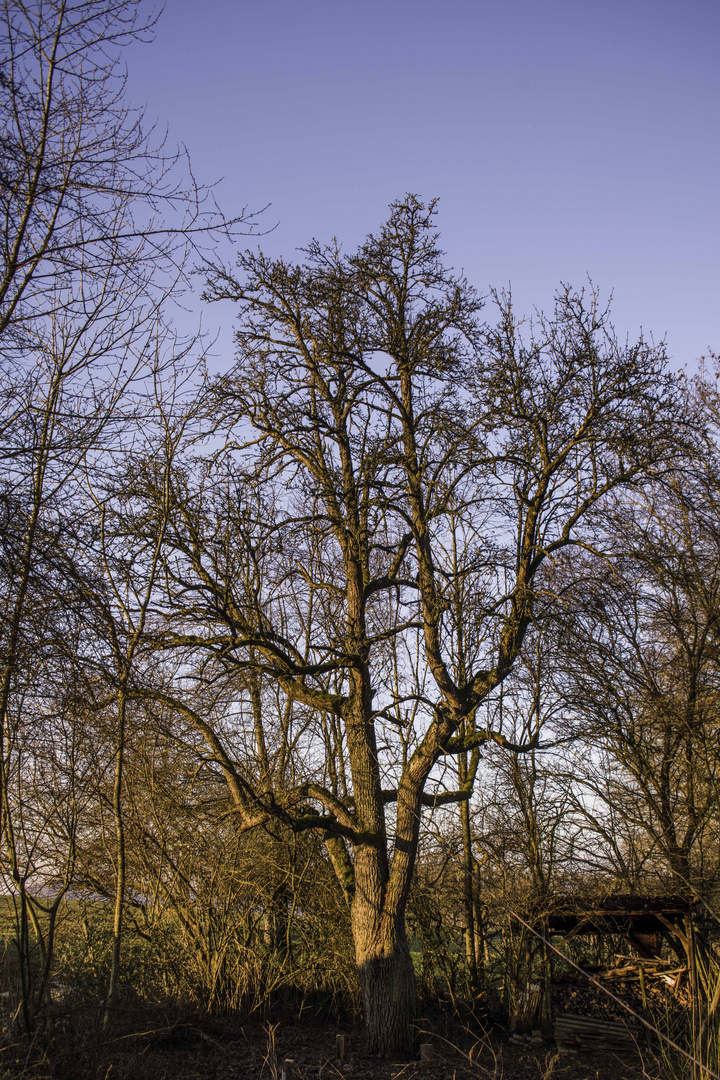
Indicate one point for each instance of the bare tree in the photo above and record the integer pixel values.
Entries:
(96, 226)
(367, 408)
(643, 685)
(87, 186)
(522, 828)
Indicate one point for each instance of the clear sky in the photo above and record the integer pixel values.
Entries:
(565, 138)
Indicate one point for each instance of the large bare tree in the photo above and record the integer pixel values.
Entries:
(382, 446)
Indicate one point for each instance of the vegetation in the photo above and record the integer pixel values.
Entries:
(325, 680)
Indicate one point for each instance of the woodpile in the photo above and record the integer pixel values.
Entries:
(586, 1018)
(641, 983)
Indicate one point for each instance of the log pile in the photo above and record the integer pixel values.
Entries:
(587, 1018)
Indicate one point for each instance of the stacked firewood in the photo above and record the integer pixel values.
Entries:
(586, 1017)
(629, 970)
(639, 983)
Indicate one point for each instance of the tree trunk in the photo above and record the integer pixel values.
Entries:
(387, 980)
(385, 967)
(468, 889)
(120, 869)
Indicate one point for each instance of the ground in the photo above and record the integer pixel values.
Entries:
(227, 1050)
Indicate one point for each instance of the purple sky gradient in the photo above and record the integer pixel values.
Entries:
(563, 137)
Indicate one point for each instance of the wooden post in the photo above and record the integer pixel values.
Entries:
(643, 998)
(288, 1069)
(546, 1023)
(340, 1048)
(643, 994)
(426, 1055)
(694, 990)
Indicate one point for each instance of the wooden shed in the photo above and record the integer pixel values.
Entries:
(579, 1011)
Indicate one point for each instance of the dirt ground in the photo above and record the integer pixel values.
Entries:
(256, 1051)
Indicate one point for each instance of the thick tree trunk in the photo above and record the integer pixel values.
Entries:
(385, 967)
(387, 980)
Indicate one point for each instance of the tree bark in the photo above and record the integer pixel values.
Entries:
(387, 981)
(468, 885)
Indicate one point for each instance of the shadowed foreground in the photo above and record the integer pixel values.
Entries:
(202, 1049)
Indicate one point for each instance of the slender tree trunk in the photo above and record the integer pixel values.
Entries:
(546, 1023)
(468, 883)
(120, 860)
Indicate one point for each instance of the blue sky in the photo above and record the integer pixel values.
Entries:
(564, 138)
